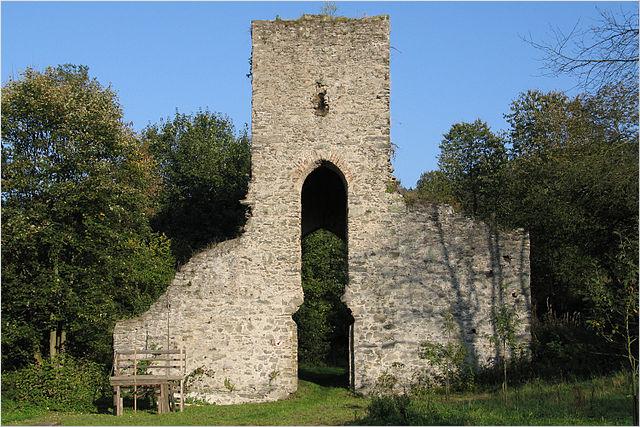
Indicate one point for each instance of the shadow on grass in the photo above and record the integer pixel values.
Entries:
(146, 401)
(326, 376)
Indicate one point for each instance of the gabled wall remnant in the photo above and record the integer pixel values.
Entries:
(321, 97)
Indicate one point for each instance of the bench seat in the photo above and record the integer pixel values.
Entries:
(143, 379)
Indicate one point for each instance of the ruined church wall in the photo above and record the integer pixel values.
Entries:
(423, 265)
(223, 309)
(230, 306)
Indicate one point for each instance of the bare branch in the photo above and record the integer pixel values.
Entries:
(606, 53)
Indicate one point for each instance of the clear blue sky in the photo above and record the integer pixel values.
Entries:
(451, 62)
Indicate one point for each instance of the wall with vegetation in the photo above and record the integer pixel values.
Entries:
(321, 96)
(420, 268)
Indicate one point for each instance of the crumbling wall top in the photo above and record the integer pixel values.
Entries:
(324, 19)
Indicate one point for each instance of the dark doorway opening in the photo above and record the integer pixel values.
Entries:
(323, 320)
(324, 201)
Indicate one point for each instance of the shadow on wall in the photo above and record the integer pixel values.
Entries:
(467, 305)
(466, 312)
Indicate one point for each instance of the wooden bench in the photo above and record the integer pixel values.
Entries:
(165, 369)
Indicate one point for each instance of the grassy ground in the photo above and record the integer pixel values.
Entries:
(312, 404)
(601, 401)
(13, 412)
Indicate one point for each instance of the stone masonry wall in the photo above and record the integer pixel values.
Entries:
(230, 306)
(424, 265)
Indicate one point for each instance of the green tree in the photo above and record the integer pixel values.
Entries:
(615, 312)
(323, 318)
(77, 249)
(504, 320)
(448, 357)
(471, 158)
(573, 182)
(436, 187)
(570, 180)
(205, 170)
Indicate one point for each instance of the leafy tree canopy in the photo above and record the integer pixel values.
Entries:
(205, 170)
(566, 171)
(574, 185)
(471, 157)
(435, 187)
(77, 250)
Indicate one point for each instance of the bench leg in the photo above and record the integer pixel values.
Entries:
(117, 404)
(181, 395)
(172, 397)
(163, 400)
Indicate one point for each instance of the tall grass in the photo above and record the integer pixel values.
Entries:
(600, 401)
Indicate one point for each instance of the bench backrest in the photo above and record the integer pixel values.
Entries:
(150, 362)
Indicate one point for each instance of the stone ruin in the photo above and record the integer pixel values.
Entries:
(321, 158)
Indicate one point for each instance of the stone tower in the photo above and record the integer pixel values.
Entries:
(321, 158)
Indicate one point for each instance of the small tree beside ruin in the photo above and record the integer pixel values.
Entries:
(447, 358)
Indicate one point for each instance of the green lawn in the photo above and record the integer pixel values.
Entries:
(312, 404)
(601, 401)
(13, 412)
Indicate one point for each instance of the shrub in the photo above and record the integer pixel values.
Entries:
(60, 384)
(389, 410)
(412, 409)
(447, 358)
(452, 367)
(563, 345)
(519, 370)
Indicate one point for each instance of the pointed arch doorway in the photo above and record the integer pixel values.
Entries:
(325, 323)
